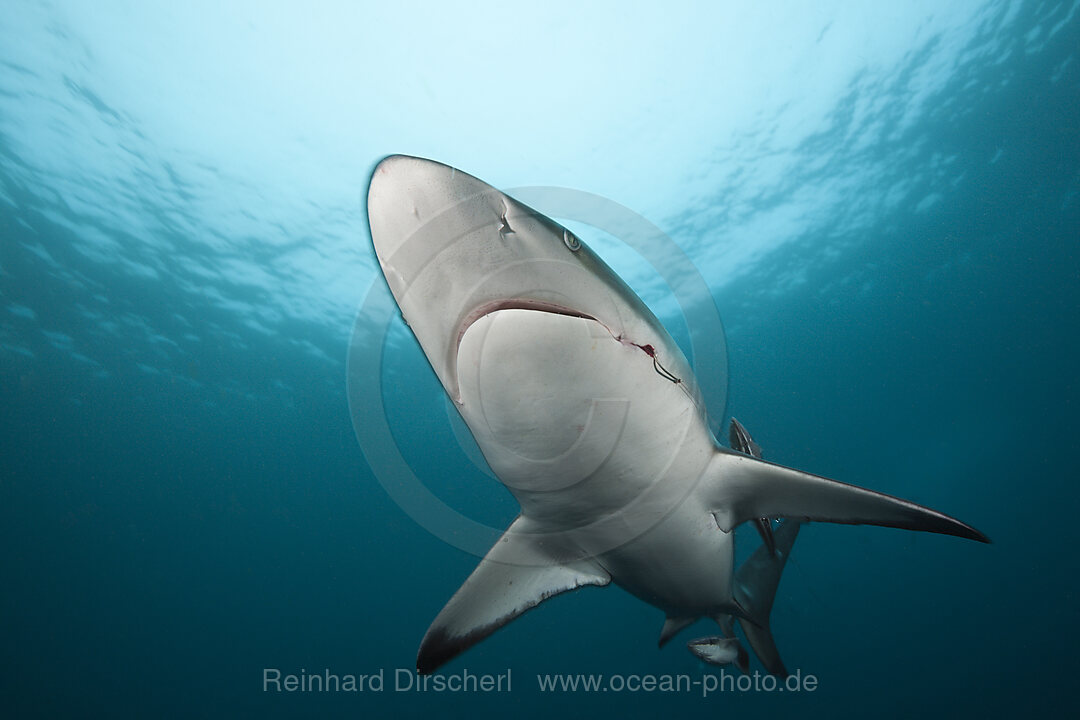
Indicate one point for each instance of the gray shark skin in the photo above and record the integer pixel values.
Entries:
(585, 408)
(741, 441)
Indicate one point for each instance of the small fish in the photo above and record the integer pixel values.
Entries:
(719, 650)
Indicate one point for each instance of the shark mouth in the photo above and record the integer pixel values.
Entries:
(494, 306)
(519, 304)
(555, 309)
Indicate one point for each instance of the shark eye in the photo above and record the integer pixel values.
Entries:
(570, 241)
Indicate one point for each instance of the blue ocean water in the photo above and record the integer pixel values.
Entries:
(884, 202)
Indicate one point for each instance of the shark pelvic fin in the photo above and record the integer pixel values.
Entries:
(742, 488)
(521, 571)
(672, 627)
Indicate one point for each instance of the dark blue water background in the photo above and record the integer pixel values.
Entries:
(183, 501)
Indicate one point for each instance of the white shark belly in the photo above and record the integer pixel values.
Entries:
(683, 565)
(597, 444)
(577, 424)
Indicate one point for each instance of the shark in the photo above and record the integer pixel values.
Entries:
(586, 409)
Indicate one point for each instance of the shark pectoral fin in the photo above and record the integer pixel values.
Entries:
(755, 587)
(742, 488)
(518, 573)
(672, 626)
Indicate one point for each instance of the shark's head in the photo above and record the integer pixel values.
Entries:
(454, 249)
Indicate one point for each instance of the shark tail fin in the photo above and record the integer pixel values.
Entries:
(742, 488)
(742, 660)
(755, 587)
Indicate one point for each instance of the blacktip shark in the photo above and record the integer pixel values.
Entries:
(585, 408)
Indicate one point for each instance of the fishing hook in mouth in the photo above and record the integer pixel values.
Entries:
(660, 369)
(664, 372)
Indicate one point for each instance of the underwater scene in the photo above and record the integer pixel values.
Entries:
(303, 305)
